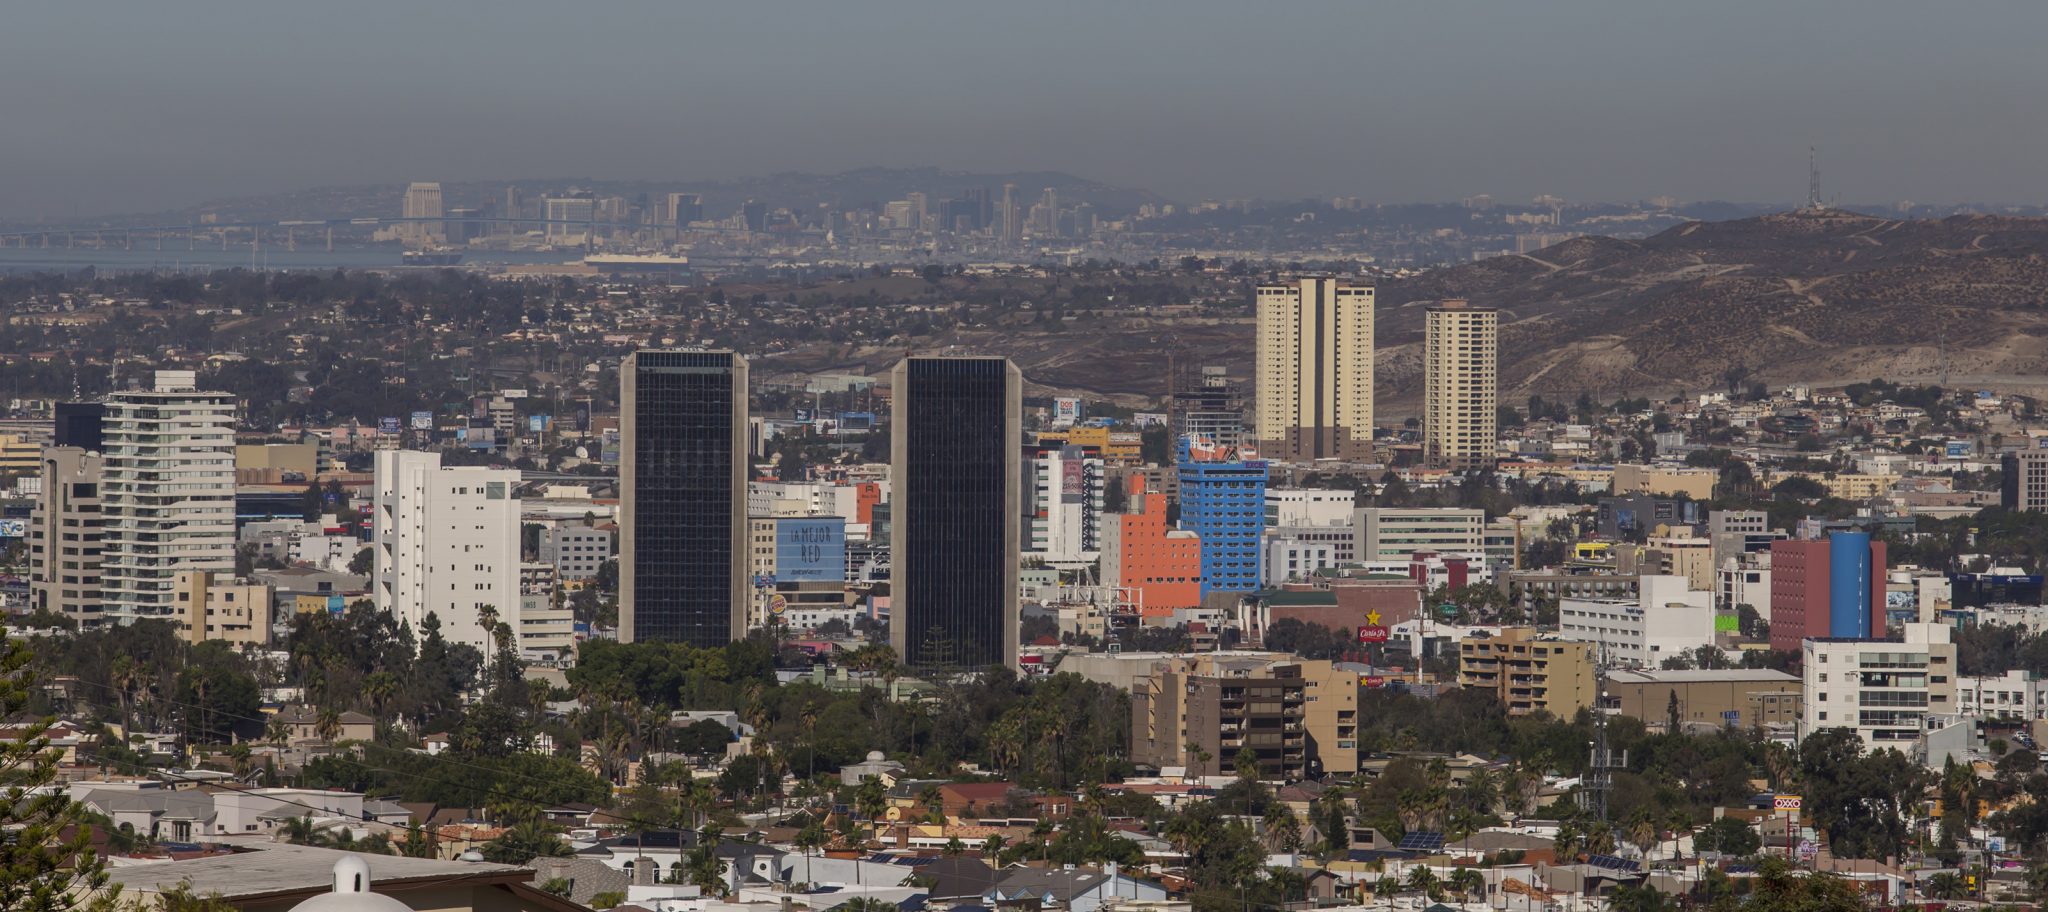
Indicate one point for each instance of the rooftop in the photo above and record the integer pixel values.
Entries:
(1699, 675)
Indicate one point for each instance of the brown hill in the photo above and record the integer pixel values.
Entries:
(1813, 297)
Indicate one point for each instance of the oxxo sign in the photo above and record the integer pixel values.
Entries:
(1785, 802)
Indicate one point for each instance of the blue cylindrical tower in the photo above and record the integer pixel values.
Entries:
(1849, 585)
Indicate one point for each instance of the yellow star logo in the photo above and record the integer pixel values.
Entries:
(1372, 618)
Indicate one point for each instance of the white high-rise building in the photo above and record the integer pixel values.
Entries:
(1314, 370)
(1064, 489)
(1890, 692)
(423, 201)
(1460, 385)
(447, 544)
(167, 493)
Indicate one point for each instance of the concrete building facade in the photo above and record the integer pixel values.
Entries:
(1314, 369)
(64, 537)
(1529, 673)
(1460, 385)
(167, 493)
(1889, 692)
(447, 545)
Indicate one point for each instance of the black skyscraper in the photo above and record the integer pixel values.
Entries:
(682, 497)
(954, 524)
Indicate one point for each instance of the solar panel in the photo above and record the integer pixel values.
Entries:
(1611, 862)
(1421, 842)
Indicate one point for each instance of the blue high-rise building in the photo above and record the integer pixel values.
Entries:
(1850, 610)
(1223, 499)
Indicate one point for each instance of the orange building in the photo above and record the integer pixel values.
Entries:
(1139, 551)
(866, 495)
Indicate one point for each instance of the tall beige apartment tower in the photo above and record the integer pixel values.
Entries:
(423, 201)
(1460, 385)
(1315, 371)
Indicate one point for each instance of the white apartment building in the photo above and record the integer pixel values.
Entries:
(1309, 507)
(1460, 385)
(1667, 618)
(2016, 696)
(1888, 691)
(447, 544)
(167, 493)
(546, 633)
(1294, 558)
(1314, 369)
(1393, 533)
(1063, 499)
(576, 550)
(1745, 580)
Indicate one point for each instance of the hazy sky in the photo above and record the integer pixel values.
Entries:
(118, 107)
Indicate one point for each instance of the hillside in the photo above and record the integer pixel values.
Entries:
(1816, 297)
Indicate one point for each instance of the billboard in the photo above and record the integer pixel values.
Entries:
(609, 455)
(1072, 481)
(423, 421)
(1958, 449)
(538, 423)
(803, 416)
(387, 425)
(13, 528)
(810, 549)
(1065, 411)
(1149, 419)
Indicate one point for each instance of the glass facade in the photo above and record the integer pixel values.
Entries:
(684, 558)
(953, 589)
(1223, 499)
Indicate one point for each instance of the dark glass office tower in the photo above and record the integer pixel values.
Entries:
(954, 523)
(683, 497)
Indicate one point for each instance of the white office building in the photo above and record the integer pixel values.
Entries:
(1309, 507)
(1063, 494)
(1393, 533)
(167, 493)
(575, 550)
(1888, 691)
(447, 544)
(1666, 619)
(2016, 696)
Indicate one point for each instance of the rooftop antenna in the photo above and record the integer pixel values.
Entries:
(1813, 200)
(1602, 762)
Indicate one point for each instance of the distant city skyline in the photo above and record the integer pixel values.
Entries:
(1393, 102)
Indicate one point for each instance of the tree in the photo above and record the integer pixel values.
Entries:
(525, 841)
(43, 868)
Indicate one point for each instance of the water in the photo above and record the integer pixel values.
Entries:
(62, 259)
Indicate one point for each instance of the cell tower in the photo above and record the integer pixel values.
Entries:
(1602, 762)
(1813, 200)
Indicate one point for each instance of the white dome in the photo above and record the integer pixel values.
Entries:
(351, 892)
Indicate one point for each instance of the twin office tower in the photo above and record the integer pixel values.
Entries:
(956, 440)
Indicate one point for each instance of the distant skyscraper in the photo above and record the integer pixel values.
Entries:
(167, 493)
(512, 210)
(685, 208)
(919, 211)
(755, 214)
(1049, 220)
(1315, 369)
(569, 219)
(1460, 385)
(683, 497)
(956, 514)
(423, 201)
(1012, 229)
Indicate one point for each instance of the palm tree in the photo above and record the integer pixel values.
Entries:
(1197, 756)
(419, 842)
(1422, 879)
(1642, 830)
(1947, 885)
(1467, 882)
(1282, 830)
(1680, 823)
(277, 731)
(871, 800)
(300, 831)
(808, 840)
(125, 676)
(992, 848)
(328, 725)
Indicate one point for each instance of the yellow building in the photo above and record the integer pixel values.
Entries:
(1460, 385)
(1529, 673)
(1664, 481)
(216, 607)
(1845, 485)
(1314, 370)
(1115, 446)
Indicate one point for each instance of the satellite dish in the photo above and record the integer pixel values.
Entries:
(893, 814)
(582, 452)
